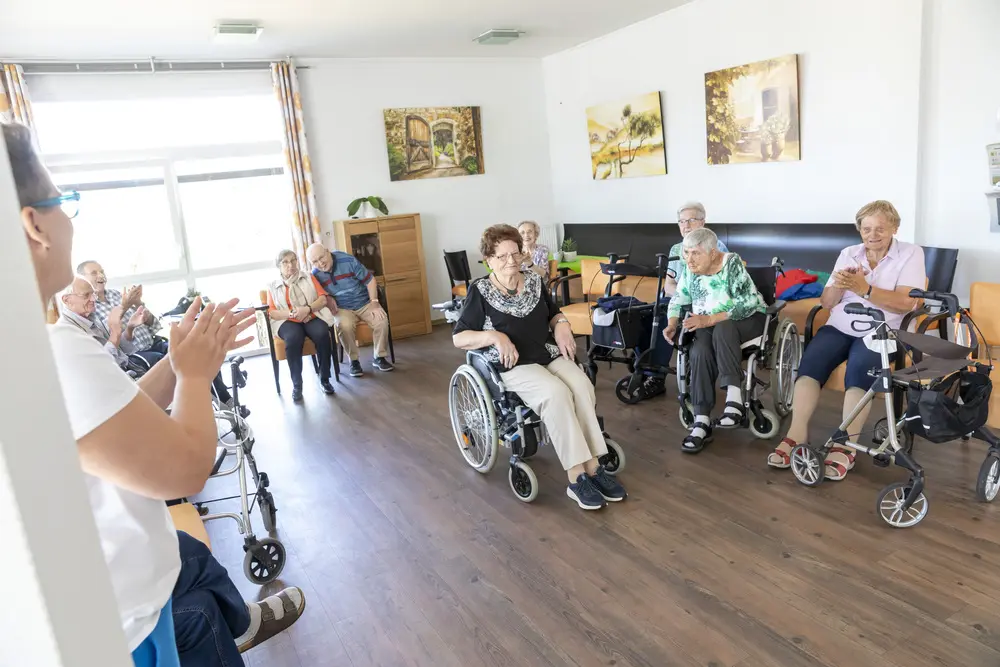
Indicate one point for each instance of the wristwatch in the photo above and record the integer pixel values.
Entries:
(869, 292)
(561, 320)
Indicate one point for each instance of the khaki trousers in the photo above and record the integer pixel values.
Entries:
(346, 321)
(563, 397)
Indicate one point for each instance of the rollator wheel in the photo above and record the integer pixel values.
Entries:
(686, 415)
(264, 561)
(523, 482)
(614, 460)
(767, 427)
(268, 512)
(988, 483)
(889, 506)
(621, 391)
(807, 465)
(881, 433)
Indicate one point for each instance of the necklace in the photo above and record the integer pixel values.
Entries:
(510, 292)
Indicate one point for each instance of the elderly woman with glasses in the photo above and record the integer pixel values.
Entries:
(879, 273)
(298, 302)
(510, 315)
(726, 311)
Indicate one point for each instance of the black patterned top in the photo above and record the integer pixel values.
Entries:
(524, 317)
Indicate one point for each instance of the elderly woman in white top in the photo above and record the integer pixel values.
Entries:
(298, 302)
(878, 273)
(535, 256)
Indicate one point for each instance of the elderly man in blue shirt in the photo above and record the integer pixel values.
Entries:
(354, 293)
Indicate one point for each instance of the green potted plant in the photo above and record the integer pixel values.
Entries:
(568, 249)
(362, 207)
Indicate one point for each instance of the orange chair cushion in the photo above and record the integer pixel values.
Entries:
(459, 290)
(798, 311)
(994, 420)
(187, 519)
(308, 349)
(578, 315)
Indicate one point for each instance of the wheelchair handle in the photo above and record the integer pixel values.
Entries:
(859, 309)
(950, 301)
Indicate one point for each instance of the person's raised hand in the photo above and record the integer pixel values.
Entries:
(138, 317)
(199, 342)
(132, 296)
(508, 353)
(115, 320)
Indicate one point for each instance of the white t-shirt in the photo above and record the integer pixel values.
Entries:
(137, 535)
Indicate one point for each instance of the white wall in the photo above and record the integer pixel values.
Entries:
(859, 76)
(343, 102)
(959, 116)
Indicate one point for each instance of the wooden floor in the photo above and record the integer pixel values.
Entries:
(409, 557)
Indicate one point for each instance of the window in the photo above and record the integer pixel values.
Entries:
(177, 194)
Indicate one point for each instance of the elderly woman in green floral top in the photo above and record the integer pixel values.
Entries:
(726, 311)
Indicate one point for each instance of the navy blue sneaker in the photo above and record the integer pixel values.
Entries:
(585, 493)
(608, 485)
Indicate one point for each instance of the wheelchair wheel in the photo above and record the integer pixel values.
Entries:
(473, 419)
(614, 460)
(767, 427)
(686, 414)
(621, 391)
(807, 465)
(988, 483)
(264, 560)
(522, 481)
(890, 506)
(787, 354)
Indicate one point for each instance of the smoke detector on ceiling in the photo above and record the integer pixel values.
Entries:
(499, 36)
(237, 33)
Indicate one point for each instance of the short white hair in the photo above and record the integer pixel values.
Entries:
(703, 238)
(692, 206)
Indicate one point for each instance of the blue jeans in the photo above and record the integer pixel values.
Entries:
(208, 612)
(831, 347)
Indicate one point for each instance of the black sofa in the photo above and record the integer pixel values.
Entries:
(802, 246)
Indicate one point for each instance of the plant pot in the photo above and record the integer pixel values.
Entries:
(777, 146)
(569, 256)
(557, 256)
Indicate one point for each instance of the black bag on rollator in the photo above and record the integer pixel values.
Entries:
(949, 408)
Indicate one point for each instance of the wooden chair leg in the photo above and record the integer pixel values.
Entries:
(392, 349)
(336, 361)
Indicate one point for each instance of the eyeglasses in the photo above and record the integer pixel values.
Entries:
(69, 201)
(688, 221)
(503, 259)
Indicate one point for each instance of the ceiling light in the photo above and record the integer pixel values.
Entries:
(237, 33)
(499, 36)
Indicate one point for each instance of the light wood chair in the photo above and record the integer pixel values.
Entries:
(277, 345)
(983, 298)
(186, 518)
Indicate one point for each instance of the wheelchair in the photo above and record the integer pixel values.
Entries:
(776, 351)
(484, 413)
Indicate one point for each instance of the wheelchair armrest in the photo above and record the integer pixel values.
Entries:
(810, 319)
(480, 355)
(775, 307)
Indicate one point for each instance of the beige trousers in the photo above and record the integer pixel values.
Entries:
(563, 397)
(346, 321)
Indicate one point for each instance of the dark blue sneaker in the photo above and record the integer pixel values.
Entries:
(585, 493)
(608, 486)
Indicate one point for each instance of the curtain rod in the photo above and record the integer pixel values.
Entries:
(149, 66)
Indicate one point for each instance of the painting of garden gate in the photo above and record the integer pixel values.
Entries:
(752, 112)
(432, 142)
(626, 138)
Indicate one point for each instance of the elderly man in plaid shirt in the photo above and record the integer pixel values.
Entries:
(143, 338)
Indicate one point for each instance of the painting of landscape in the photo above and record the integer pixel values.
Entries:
(752, 112)
(434, 142)
(626, 138)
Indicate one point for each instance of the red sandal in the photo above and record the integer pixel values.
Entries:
(786, 457)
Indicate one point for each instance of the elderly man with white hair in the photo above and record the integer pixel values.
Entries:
(726, 311)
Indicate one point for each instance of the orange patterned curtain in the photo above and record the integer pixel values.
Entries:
(14, 104)
(305, 220)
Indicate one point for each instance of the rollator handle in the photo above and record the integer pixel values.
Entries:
(859, 309)
(950, 301)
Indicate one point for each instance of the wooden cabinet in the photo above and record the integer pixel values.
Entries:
(392, 248)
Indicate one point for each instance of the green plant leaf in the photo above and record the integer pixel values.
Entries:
(378, 204)
(353, 207)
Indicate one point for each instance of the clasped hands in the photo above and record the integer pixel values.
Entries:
(851, 279)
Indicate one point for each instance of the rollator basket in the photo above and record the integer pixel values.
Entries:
(949, 408)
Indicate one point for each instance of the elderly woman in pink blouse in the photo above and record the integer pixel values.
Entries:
(878, 273)
(535, 256)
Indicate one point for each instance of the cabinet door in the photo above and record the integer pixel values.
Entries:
(398, 240)
(405, 295)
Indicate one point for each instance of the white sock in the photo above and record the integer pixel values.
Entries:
(734, 394)
(254, 609)
(698, 431)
